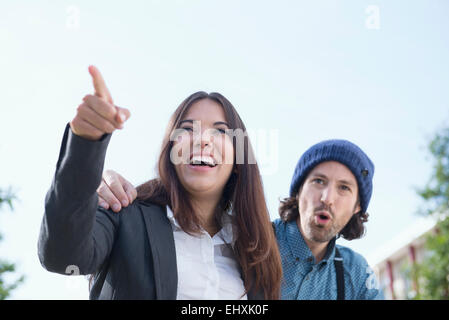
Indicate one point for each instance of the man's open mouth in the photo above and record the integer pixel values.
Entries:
(323, 216)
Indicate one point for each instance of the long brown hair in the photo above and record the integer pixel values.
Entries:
(255, 247)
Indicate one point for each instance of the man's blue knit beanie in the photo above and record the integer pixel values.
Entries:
(341, 151)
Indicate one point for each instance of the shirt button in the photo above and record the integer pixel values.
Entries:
(309, 259)
(297, 259)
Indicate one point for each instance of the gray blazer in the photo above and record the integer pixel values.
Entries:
(131, 253)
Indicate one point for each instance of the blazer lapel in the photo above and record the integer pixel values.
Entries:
(162, 243)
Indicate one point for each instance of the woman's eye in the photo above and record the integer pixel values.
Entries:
(187, 128)
(345, 188)
(318, 180)
(218, 131)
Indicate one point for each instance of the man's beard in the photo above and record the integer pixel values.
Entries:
(322, 233)
(318, 233)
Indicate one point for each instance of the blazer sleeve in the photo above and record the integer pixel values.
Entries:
(76, 235)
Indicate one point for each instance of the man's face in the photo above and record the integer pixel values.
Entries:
(327, 200)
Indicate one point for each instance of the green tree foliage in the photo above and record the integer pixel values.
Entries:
(433, 271)
(6, 198)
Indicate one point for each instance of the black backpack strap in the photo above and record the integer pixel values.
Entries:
(338, 262)
(274, 228)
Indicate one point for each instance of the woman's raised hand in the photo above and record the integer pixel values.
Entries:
(97, 114)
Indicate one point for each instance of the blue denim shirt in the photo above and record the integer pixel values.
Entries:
(304, 279)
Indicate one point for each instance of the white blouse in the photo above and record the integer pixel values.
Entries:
(207, 267)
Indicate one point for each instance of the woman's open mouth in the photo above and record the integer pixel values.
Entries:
(202, 163)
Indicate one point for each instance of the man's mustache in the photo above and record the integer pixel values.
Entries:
(326, 208)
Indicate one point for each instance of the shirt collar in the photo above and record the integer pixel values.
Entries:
(172, 219)
(301, 250)
(226, 233)
(330, 251)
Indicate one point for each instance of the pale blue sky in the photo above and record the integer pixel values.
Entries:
(307, 71)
